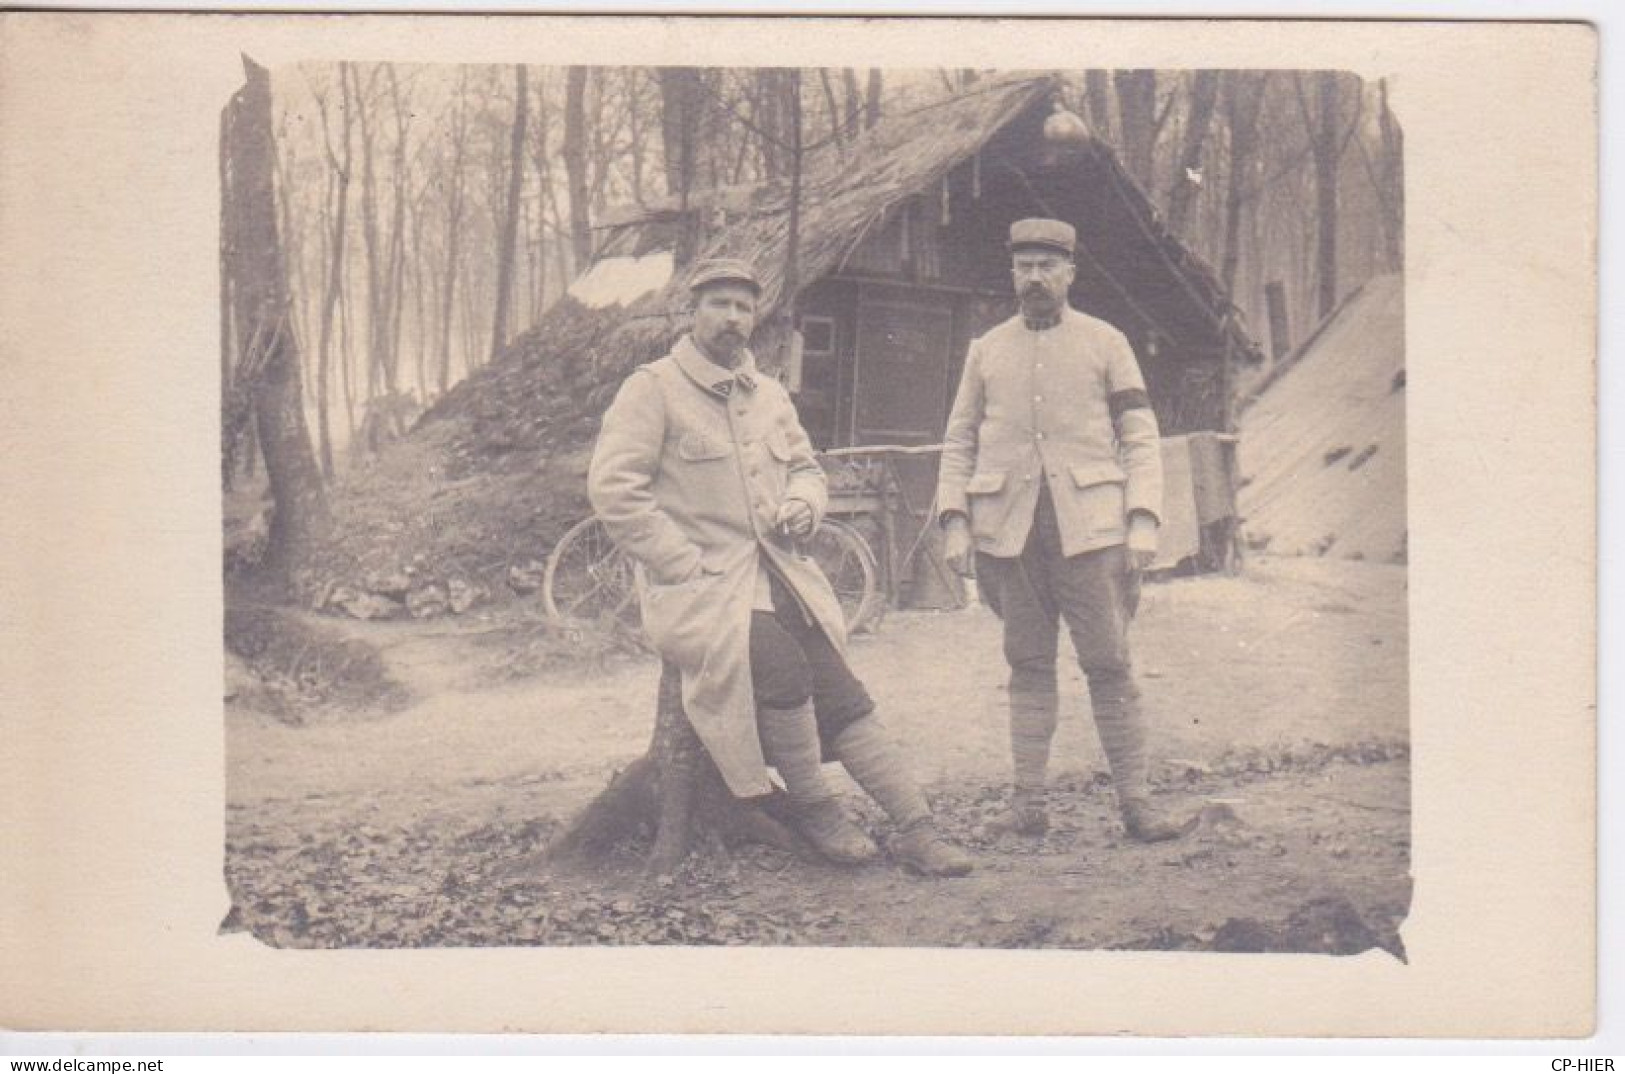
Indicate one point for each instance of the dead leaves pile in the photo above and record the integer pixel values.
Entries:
(432, 885)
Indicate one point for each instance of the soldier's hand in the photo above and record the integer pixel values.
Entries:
(1142, 541)
(794, 519)
(956, 544)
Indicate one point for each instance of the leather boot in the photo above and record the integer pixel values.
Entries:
(833, 834)
(921, 849)
(1116, 702)
(790, 744)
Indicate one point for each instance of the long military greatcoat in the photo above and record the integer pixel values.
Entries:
(691, 466)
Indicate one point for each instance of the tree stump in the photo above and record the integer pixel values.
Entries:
(675, 788)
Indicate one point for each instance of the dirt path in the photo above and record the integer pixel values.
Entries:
(1279, 699)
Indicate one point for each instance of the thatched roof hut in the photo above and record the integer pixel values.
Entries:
(901, 260)
(945, 178)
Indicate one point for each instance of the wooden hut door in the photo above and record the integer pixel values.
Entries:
(900, 393)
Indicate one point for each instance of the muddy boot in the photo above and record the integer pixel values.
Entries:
(1121, 724)
(1033, 716)
(790, 744)
(1144, 823)
(833, 834)
(1025, 815)
(921, 849)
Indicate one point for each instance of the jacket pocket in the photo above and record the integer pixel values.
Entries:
(778, 445)
(658, 587)
(1106, 472)
(989, 502)
(985, 483)
(1097, 498)
(698, 447)
(679, 617)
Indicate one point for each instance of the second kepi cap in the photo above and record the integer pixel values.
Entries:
(1050, 234)
(723, 270)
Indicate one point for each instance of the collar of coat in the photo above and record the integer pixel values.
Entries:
(1043, 322)
(710, 376)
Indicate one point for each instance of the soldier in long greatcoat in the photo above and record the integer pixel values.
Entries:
(703, 473)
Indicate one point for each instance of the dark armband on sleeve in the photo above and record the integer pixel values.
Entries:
(1126, 400)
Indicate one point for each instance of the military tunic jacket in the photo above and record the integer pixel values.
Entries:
(691, 466)
(1064, 405)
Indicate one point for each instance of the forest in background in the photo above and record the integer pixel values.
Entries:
(428, 214)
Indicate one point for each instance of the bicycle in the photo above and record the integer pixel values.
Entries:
(589, 579)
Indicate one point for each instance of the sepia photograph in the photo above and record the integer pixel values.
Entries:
(653, 496)
(996, 527)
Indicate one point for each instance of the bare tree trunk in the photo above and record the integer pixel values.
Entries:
(636, 128)
(454, 227)
(1182, 193)
(269, 352)
(1280, 322)
(377, 315)
(1244, 98)
(792, 243)
(1327, 152)
(854, 99)
(420, 271)
(871, 100)
(347, 375)
(563, 252)
(575, 164)
(1098, 92)
(544, 187)
(473, 315)
(680, 100)
(338, 163)
(676, 786)
(766, 113)
(395, 293)
(837, 134)
(1137, 114)
(291, 235)
(420, 330)
(604, 145)
(510, 225)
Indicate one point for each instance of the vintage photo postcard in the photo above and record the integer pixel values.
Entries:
(825, 525)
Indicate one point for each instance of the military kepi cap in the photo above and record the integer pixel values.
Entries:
(1050, 234)
(723, 270)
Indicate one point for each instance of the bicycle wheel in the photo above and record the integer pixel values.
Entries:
(848, 562)
(589, 578)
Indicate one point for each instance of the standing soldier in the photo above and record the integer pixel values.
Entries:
(1052, 470)
(703, 473)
